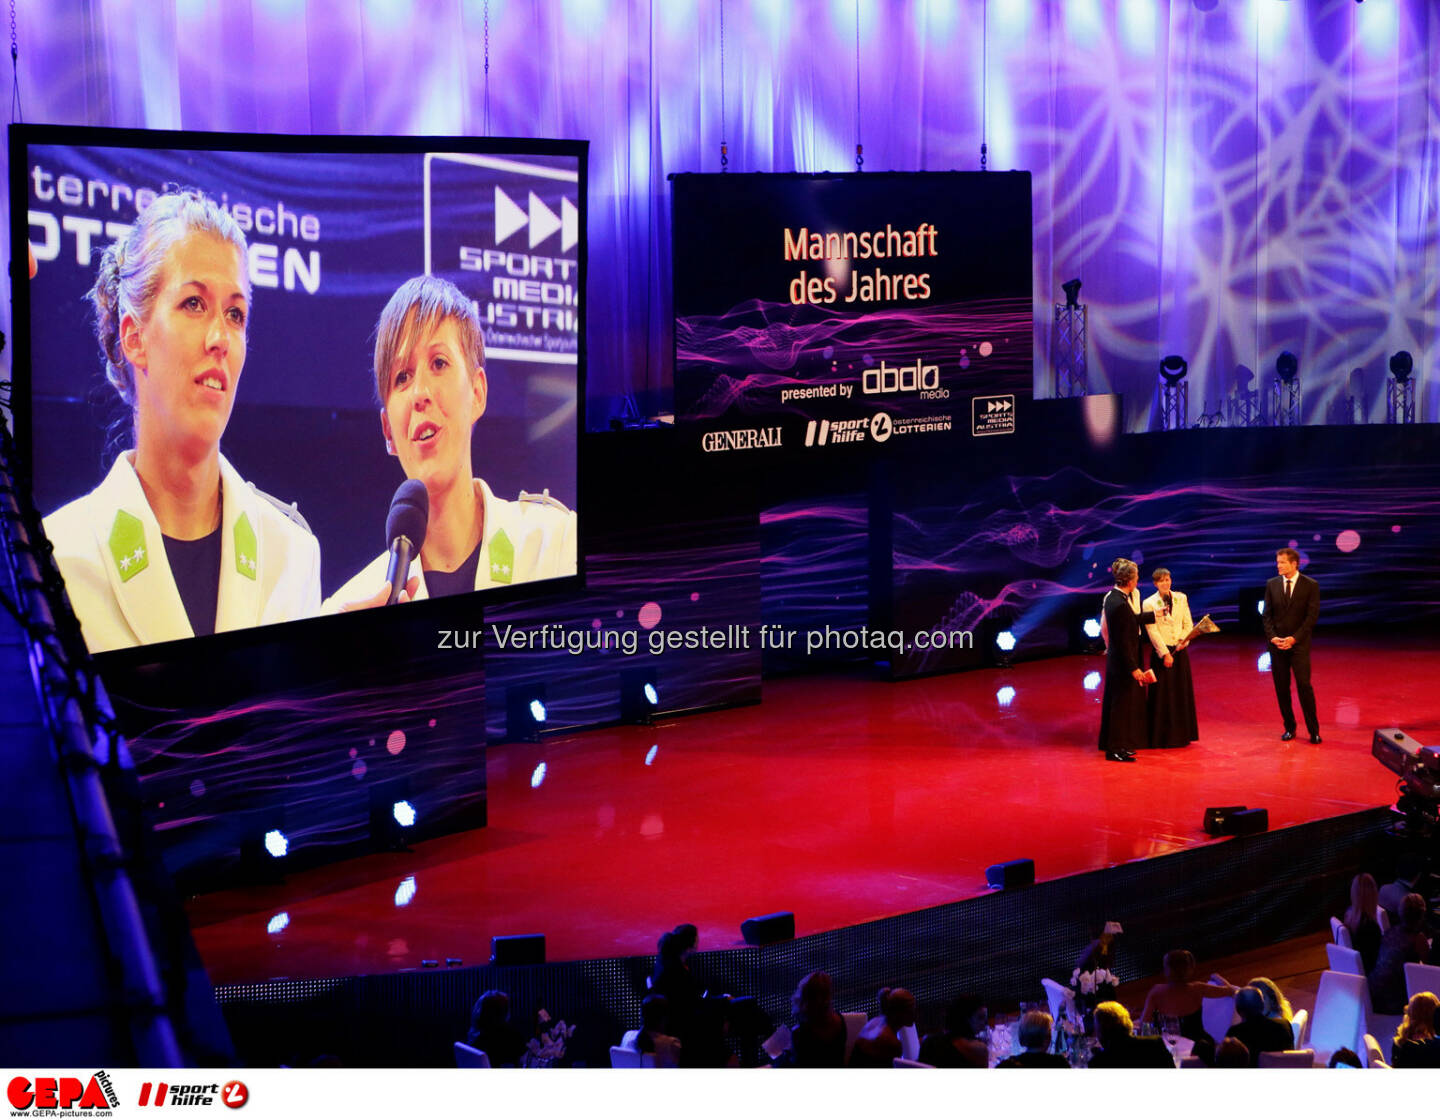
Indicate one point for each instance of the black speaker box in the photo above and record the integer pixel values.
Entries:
(1015, 873)
(1217, 817)
(1236, 820)
(1249, 821)
(524, 948)
(768, 928)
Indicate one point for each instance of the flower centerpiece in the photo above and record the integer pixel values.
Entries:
(1092, 988)
(547, 1048)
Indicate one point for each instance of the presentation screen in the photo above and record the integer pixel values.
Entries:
(826, 311)
(197, 381)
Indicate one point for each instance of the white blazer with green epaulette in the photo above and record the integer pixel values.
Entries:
(109, 548)
(527, 539)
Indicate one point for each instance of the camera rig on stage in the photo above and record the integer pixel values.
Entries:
(1419, 786)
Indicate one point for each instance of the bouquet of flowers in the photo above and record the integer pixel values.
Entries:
(1093, 988)
(548, 1045)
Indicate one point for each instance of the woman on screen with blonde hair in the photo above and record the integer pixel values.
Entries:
(174, 543)
(432, 388)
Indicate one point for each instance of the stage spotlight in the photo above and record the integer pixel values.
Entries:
(1260, 607)
(392, 815)
(405, 892)
(1286, 366)
(1401, 366)
(278, 922)
(1262, 664)
(639, 695)
(525, 712)
(1092, 680)
(1005, 696)
(1071, 288)
(1092, 628)
(1173, 368)
(277, 844)
(1005, 641)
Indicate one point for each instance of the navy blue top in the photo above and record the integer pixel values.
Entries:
(461, 580)
(196, 568)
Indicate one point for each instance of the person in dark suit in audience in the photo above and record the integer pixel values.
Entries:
(492, 1031)
(817, 1040)
(1121, 1048)
(1402, 944)
(1409, 871)
(1255, 1029)
(1292, 606)
(1034, 1035)
(959, 1045)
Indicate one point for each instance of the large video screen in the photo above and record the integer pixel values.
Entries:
(234, 350)
(820, 312)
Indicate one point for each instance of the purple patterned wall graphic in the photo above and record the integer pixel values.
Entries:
(693, 576)
(813, 572)
(986, 341)
(306, 759)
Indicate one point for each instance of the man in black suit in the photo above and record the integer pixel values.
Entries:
(1292, 606)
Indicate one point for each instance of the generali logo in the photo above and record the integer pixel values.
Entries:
(52, 1096)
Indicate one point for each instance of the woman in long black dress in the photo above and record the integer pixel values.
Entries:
(1172, 697)
(1123, 722)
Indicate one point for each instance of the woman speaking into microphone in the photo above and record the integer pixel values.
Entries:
(174, 543)
(431, 385)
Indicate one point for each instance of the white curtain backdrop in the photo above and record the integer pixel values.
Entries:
(1229, 178)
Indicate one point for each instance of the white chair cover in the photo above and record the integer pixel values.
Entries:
(1344, 960)
(467, 1057)
(1421, 978)
(1300, 1026)
(1218, 1015)
(1339, 1019)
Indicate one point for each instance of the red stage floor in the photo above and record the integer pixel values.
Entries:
(842, 799)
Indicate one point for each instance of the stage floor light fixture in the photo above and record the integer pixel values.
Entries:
(525, 712)
(639, 695)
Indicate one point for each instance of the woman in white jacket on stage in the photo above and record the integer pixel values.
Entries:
(173, 542)
(1172, 719)
(431, 385)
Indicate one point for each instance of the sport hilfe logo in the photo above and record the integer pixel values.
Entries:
(69, 1093)
(233, 1094)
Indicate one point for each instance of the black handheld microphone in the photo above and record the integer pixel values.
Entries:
(405, 531)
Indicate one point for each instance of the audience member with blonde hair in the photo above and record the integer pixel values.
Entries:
(1416, 1046)
(1121, 1048)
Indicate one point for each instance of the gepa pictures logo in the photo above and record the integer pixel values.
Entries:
(68, 1094)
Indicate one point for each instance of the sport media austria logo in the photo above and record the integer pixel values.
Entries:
(53, 1096)
(993, 416)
